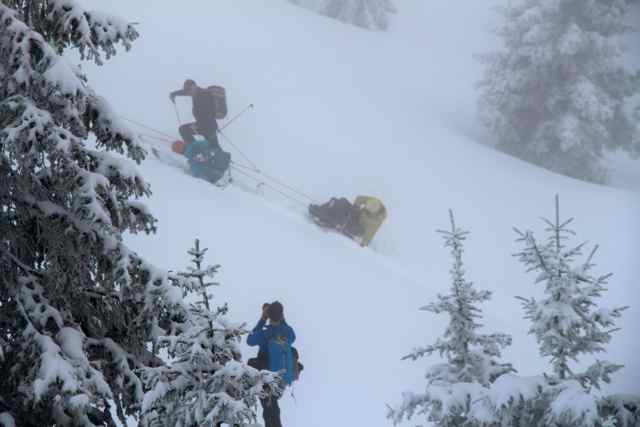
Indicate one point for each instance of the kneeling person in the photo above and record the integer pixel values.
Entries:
(205, 161)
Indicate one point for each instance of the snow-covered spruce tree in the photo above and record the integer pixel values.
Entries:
(623, 408)
(472, 359)
(308, 4)
(557, 94)
(205, 383)
(567, 324)
(369, 14)
(77, 307)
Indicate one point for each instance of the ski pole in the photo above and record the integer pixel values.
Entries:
(177, 114)
(237, 116)
(142, 125)
(246, 158)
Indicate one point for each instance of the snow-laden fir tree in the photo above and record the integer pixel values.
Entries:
(77, 307)
(557, 93)
(471, 358)
(568, 324)
(205, 383)
(369, 14)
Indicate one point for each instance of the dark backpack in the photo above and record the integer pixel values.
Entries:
(209, 165)
(219, 96)
(221, 161)
(297, 366)
(260, 362)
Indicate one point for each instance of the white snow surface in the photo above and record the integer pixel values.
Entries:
(340, 112)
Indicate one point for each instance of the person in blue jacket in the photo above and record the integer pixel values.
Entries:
(204, 161)
(274, 340)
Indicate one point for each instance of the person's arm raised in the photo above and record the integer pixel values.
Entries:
(180, 92)
(256, 337)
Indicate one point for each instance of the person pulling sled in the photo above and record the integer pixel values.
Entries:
(359, 220)
(207, 159)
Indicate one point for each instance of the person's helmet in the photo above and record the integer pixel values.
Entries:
(373, 206)
(188, 84)
(178, 147)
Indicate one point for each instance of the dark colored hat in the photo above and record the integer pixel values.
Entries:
(276, 311)
(189, 84)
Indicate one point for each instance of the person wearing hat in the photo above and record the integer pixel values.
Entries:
(274, 340)
(206, 159)
(203, 163)
(204, 111)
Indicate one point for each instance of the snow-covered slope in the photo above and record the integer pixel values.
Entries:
(342, 111)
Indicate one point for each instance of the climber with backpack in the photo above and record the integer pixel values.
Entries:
(207, 159)
(275, 354)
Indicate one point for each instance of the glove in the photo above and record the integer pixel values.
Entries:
(172, 97)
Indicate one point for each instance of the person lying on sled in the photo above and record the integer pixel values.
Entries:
(359, 220)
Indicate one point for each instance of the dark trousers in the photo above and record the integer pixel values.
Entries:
(271, 412)
(210, 132)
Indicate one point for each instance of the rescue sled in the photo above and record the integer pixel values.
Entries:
(359, 220)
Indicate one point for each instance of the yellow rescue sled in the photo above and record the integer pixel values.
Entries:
(359, 220)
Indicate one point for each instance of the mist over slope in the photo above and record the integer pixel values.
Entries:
(343, 111)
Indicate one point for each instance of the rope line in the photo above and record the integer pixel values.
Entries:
(288, 187)
(266, 184)
(153, 137)
(241, 166)
(171, 138)
(255, 168)
(276, 181)
(228, 140)
(177, 114)
(238, 167)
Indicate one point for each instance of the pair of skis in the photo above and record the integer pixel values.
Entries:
(174, 160)
(171, 159)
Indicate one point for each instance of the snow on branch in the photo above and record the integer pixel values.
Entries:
(30, 67)
(625, 408)
(89, 308)
(65, 23)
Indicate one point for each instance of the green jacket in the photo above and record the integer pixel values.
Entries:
(370, 222)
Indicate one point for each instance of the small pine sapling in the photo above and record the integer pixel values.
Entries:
(568, 324)
(205, 381)
(471, 358)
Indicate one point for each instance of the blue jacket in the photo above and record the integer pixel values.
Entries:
(204, 163)
(275, 341)
(198, 165)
